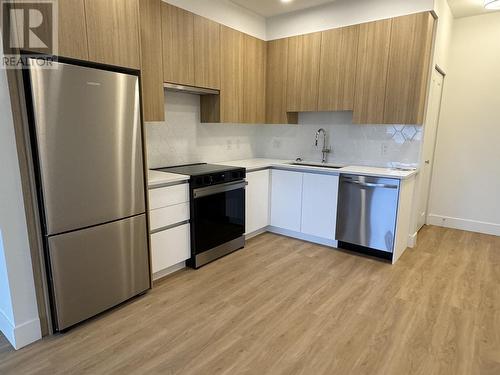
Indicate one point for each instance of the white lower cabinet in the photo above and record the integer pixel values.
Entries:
(319, 205)
(169, 206)
(170, 247)
(257, 201)
(305, 204)
(286, 199)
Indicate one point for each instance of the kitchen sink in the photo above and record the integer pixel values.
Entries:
(320, 165)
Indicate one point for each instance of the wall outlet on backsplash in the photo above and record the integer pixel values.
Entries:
(229, 144)
(276, 143)
(384, 148)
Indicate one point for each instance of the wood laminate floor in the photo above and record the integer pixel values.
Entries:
(283, 306)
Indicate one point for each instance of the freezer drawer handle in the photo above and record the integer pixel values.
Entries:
(370, 184)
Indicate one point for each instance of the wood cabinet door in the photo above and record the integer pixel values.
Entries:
(178, 50)
(113, 32)
(371, 72)
(72, 33)
(409, 66)
(276, 83)
(339, 52)
(231, 95)
(254, 80)
(303, 72)
(206, 53)
(153, 97)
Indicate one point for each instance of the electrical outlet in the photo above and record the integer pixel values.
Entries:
(229, 144)
(384, 149)
(276, 143)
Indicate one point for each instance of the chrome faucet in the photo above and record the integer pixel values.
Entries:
(325, 150)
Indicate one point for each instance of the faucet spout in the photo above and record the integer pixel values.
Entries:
(325, 150)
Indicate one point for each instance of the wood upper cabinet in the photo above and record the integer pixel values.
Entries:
(151, 61)
(408, 69)
(231, 95)
(254, 80)
(276, 83)
(178, 39)
(371, 72)
(339, 52)
(113, 32)
(72, 33)
(206, 53)
(303, 72)
(242, 96)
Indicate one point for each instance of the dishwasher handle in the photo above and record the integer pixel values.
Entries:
(371, 184)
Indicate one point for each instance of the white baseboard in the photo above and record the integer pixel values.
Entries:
(302, 236)
(255, 233)
(464, 224)
(167, 271)
(21, 335)
(412, 240)
(7, 328)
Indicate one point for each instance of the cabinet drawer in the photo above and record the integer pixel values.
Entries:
(170, 247)
(165, 216)
(168, 196)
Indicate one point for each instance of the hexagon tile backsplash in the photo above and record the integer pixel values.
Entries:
(182, 139)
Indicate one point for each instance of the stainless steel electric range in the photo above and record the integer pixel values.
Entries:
(217, 195)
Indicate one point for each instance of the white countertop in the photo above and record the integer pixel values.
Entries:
(255, 164)
(157, 178)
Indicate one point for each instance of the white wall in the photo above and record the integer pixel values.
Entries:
(466, 178)
(443, 33)
(18, 307)
(341, 13)
(181, 139)
(226, 13)
(337, 14)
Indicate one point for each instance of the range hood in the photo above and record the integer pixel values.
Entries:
(190, 89)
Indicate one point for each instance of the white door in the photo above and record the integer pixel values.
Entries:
(319, 205)
(257, 201)
(429, 145)
(286, 199)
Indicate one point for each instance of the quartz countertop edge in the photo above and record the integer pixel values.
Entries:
(256, 164)
(157, 178)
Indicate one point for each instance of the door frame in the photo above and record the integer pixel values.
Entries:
(442, 73)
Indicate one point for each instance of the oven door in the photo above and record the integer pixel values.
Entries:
(218, 215)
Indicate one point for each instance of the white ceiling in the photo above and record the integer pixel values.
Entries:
(465, 8)
(269, 8)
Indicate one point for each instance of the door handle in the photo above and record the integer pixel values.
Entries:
(427, 162)
(371, 184)
(222, 188)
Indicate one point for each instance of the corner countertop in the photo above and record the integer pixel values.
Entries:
(258, 163)
(157, 178)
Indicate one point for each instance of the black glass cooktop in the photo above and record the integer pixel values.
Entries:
(197, 169)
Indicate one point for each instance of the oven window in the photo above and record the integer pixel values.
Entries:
(218, 218)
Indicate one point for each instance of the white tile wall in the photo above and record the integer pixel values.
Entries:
(183, 139)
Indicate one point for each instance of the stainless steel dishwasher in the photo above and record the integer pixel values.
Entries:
(367, 211)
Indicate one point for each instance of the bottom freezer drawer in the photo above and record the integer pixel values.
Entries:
(97, 268)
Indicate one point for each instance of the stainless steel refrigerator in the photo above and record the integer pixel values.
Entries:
(88, 155)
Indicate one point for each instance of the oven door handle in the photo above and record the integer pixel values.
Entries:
(222, 188)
